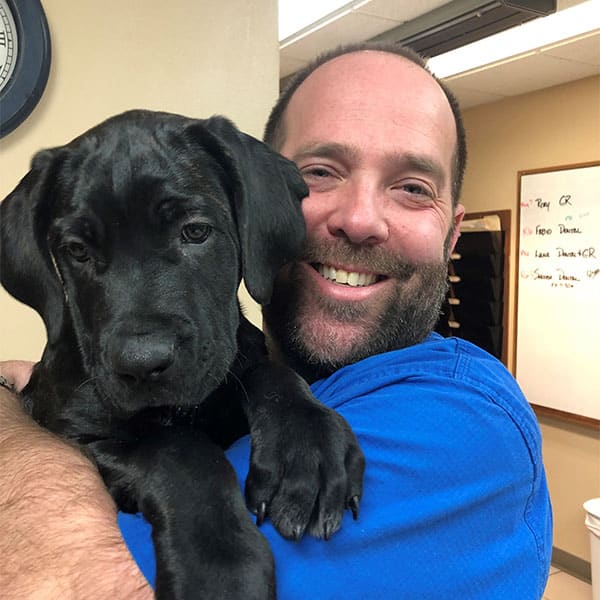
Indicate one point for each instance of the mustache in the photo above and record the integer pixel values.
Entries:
(373, 259)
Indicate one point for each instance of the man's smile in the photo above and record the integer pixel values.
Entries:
(346, 277)
(343, 283)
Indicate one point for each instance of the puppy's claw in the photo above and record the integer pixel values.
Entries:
(328, 531)
(261, 512)
(296, 533)
(354, 505)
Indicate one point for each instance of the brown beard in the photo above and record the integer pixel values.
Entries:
(408, 316)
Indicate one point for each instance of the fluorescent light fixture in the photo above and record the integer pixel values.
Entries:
(572, 22)
(298, 19)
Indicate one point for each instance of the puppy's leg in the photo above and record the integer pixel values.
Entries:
(306, 466)
(206, 544)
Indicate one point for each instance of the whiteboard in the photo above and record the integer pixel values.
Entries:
(558, 289)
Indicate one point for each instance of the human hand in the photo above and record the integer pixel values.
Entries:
(16, 372)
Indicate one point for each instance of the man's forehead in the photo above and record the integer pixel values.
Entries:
(369, 92)
(368, 67)
(357, 77)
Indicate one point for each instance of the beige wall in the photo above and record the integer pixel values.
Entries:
(188, 56)
(557, 126)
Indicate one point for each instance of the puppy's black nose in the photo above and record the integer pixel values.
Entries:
(142, 358)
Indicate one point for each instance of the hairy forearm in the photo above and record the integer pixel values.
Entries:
(59, 537)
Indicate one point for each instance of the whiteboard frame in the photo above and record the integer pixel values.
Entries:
(539, 409)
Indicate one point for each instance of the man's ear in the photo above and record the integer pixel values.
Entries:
(26, 269)
(267, 190)
(459, 213)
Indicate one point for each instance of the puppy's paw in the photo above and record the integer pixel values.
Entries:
(306, 466)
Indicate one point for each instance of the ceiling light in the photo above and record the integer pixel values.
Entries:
(569, 23)
(299, 19)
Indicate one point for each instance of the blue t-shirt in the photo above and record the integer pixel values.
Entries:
(455, 501)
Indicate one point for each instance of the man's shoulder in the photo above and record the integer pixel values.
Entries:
(445, 377)
(436, 360)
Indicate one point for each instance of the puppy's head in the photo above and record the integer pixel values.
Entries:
(131, 241)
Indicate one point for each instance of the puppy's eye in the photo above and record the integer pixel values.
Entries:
(195, 233)
(77, 251)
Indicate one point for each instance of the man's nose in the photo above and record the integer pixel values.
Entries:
(359, 215)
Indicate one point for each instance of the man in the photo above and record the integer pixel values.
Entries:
(455, 501)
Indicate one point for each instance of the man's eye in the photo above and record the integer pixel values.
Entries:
(316, 172)
(195, 233)
(77, 251)
(417, 189)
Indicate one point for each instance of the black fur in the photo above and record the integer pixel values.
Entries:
(130, 242)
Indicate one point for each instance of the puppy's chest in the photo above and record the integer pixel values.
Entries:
(84, 416)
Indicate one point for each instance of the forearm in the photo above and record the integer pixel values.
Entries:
(59, 534)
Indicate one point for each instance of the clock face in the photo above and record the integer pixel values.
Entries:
(24, 60)
(9, 44)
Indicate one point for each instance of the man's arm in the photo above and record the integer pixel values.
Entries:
(59, 534)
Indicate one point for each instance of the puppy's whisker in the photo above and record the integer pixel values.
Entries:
(240, 383)
(84, 383)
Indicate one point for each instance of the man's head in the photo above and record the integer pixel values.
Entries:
(381, 146)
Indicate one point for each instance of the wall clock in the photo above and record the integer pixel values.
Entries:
(24, 60)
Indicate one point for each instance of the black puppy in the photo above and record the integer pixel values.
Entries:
(130, 242)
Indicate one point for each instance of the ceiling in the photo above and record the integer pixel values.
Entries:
(568, 60)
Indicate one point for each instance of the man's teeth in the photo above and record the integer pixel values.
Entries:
(349, 278)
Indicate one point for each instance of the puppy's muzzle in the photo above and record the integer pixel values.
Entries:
(141, 358)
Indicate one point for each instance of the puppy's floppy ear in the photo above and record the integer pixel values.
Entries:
(267, 193)
(26, 269)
